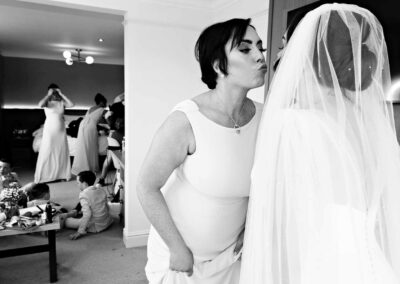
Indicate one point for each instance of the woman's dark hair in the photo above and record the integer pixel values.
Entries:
(87, 176)
(55, 96)
(210, 47)
(99, 98)
(339, 48)
(119, 125)
(289, 31)
(53, 86)
(293, 24)
(5, 161)
(37, 191)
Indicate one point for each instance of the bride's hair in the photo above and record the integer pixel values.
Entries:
(335, 42)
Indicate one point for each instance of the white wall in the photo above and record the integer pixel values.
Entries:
(163, 72)
(160, 70)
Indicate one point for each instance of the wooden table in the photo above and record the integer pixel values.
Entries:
(50, 247)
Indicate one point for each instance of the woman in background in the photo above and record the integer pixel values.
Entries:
(87, 144)
(195, 179)
(53, 161)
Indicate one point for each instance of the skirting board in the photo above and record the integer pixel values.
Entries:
(135, 239)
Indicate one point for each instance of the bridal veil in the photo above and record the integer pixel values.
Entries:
(325, 198)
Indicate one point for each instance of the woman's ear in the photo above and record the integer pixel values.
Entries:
(217, 69)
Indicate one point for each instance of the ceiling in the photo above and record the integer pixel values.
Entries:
(40, 31)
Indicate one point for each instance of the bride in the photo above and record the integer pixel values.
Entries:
(325, 198)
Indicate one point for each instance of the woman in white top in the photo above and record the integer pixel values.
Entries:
(53, 161)
(324, 202)
(87, 144)
(194, 182)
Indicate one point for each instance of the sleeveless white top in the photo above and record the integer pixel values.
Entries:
(207, 195)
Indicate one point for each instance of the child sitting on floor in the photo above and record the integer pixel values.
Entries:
(38, 194)
(95, 211)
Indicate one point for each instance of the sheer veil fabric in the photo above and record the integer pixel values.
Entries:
(325, 198)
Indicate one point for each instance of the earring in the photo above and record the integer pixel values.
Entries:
(370, 67)
(222, 75)
(349, 69)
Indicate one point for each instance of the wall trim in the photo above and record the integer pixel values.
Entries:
(135, 239)
(168, 13)
(223, 4)
(209, 5)
(158, 23)
(183, 3)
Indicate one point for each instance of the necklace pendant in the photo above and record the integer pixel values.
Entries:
(236, 127)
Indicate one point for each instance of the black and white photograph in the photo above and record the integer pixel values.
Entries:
(199, 142)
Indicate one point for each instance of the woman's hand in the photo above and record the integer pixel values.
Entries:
(59, 91)
(239, 243)
(181, 260)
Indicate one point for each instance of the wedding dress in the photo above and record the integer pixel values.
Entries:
(53, 161)
(87, 145)
(325, 195)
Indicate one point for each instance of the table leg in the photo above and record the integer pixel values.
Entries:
(52, 255)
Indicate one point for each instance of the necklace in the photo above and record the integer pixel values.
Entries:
(236, 125)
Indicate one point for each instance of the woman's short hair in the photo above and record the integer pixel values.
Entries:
(37, 191)
(210, 47)
(87, 176)
(99, 98)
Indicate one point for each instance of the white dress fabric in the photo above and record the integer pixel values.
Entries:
(87, 145)
(53, 160)
(207, 197)
(324, 198)
(337, 242)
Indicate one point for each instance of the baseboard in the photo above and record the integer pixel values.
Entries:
(135, 239)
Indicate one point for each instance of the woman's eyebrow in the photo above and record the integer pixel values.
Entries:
(250, 41)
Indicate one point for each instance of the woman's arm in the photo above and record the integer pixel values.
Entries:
(43, 102)
(68, 102)
(170, 147)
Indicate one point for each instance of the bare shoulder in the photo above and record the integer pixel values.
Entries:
(177, 130)
(177, 121)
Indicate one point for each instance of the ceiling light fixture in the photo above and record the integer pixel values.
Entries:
(101, 40)
(69, 57)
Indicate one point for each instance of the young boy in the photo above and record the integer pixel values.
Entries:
(93, 200)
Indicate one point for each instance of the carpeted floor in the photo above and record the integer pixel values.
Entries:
(95, 258)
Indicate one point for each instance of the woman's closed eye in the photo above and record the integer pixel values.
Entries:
(247, 50)
(244, 50)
